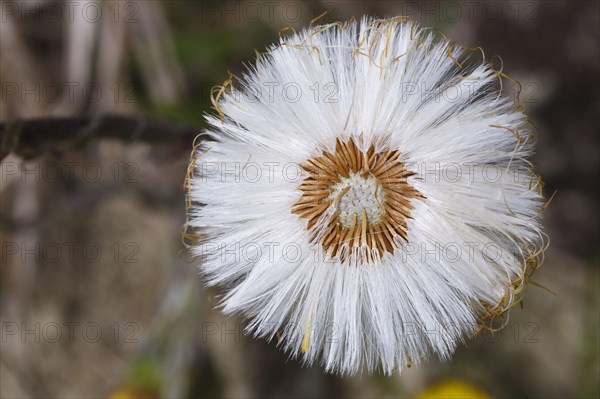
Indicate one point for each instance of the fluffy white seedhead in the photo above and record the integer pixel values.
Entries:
(365, 198)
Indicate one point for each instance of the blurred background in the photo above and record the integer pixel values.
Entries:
(98, 296)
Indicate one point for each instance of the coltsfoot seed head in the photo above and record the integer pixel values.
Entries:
(413, 218)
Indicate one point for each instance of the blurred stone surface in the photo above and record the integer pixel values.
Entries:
(102, 256)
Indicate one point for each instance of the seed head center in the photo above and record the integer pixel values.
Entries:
(356, 193)
(355, 201)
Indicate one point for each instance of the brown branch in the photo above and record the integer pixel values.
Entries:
(30, 138)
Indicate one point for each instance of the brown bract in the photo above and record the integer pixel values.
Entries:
(331, 177)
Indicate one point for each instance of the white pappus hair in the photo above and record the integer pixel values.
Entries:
(365, 197)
